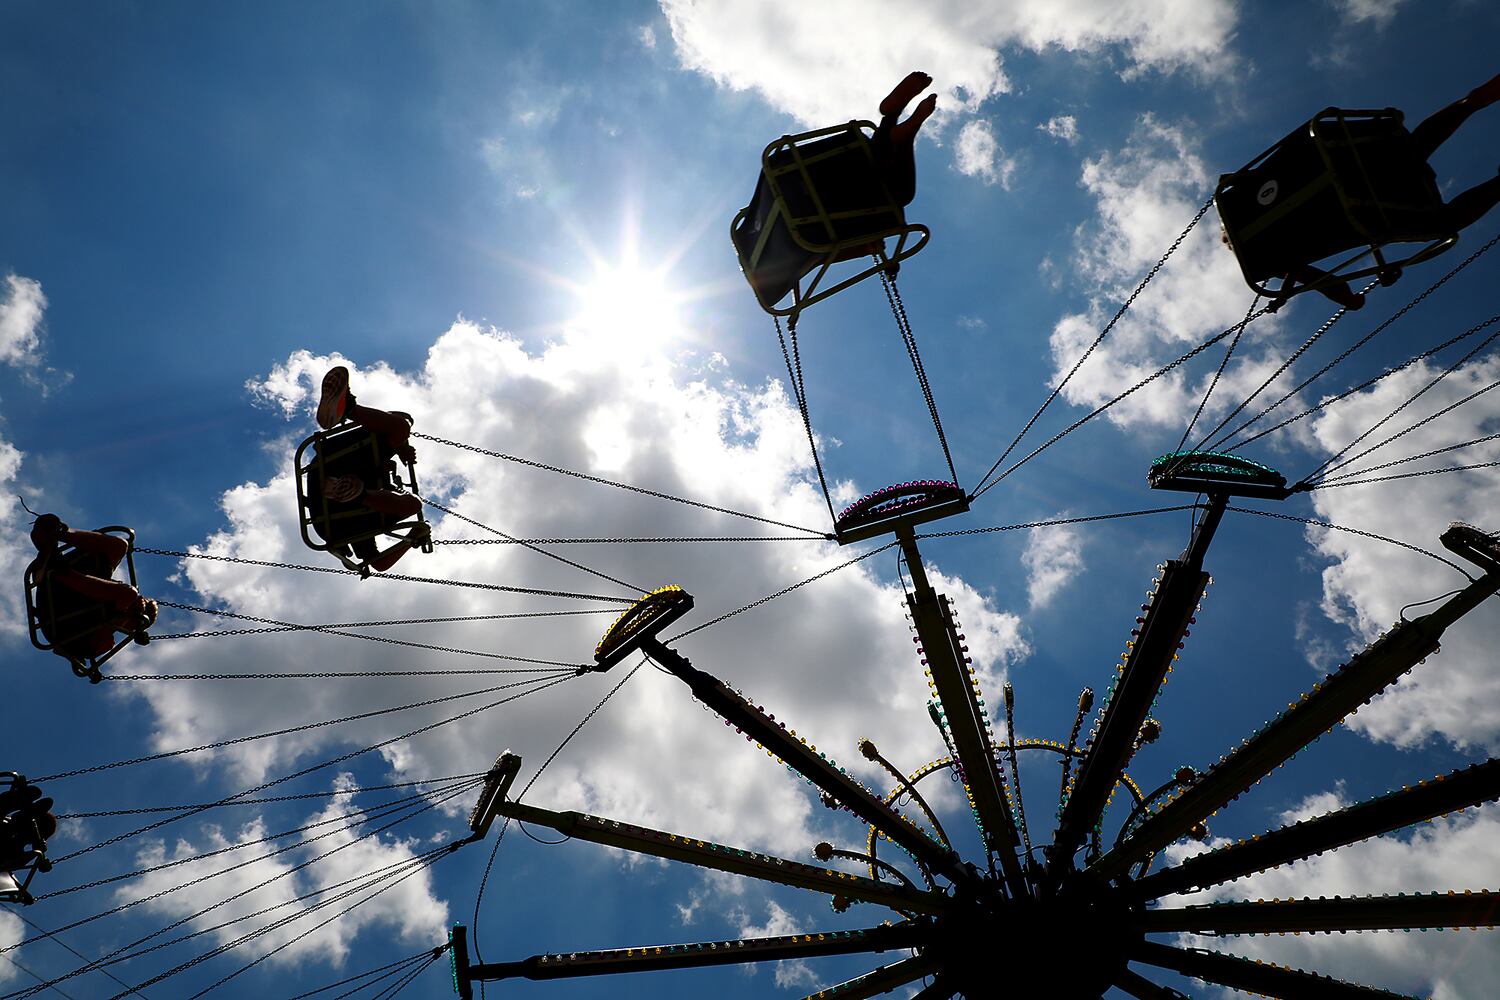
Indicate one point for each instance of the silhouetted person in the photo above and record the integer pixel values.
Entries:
(392, 431)
(127, 610)
(1456, 214)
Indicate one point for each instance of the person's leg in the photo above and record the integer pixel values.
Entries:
(392, 555)
(900, 96)
(111, 547)
(402, 505)
(1338, 292)
(905, 133)
(335, 396)
(119, 596)
(1441, 124)
(1468, 208)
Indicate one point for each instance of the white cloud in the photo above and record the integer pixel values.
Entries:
(1146, 193)
(1379, 12)
(795, 974)
(1458, 852)
(647, 36)
(521, 166)
(408, 907)
(21, 310)
(11, 933)
(977, 154)
(781, 49)
(1455, 695)
(1064, 127)
(1053, 556)
(722, 442)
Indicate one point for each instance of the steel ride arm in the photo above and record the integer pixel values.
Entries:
(879, 982)
(1443, 794)
(642, 840)
(1255, 977)
(946, 664)
(855, 797)
(696, 955)
(1363, 677)
(1338, 913)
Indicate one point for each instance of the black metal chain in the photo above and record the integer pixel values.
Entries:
(1165, 369)
(327, 630)
(375, 811)
(784, 591)
(1357, 344)
(1324, 404)
(416, 869)
(659, 539)
(67, 947)
(1291, 359)
(1333, 480)
(1352, 531)
(1214, 382)
(1056, 521)
(105, 959)
(382, 576)
(793, 361)
(489, 866)
(980, 487)
(234, 741)
(531, 545)
(1331, 464)
(1323, 484)
(408, 960)
(898, 309)
(272, 798)
(368, 877)
(609, 482)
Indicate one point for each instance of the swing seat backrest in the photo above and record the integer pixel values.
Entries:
(66, 622)
(1343, 181)
(350, 451)
(349, 529)
(820, 199)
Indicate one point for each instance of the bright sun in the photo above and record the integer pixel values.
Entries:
(630, 303)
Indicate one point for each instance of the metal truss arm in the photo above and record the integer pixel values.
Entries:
(939, 990)
(1364, 913)
(758, 726)
(1443, 794)
(1363, 677)
(1141, 988)
(879, 982)
(1177, 594)
(702, 954)
(705, 854)
(943, 651)
(1256, 977)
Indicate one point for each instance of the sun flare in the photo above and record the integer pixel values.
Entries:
(630, 303)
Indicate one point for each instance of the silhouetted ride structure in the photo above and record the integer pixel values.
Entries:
(1007, 906)
(1041, 909)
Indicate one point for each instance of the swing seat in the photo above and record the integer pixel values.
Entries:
(15, 878)
(820, 200)
(641, 621)
(1347, 182)
(1216, 472)
(901, 506)
(349, 529)
(63, 621)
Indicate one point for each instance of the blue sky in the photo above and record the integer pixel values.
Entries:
(513, 223)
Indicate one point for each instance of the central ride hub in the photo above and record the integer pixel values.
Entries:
(1072, 946)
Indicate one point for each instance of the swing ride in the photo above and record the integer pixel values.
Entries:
(820, 202)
